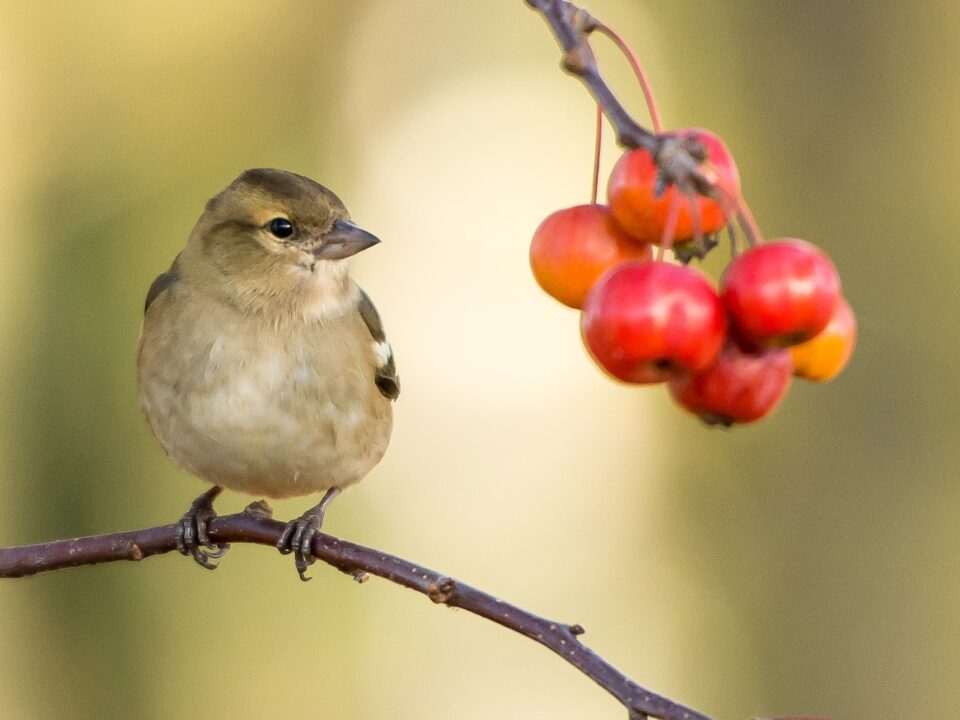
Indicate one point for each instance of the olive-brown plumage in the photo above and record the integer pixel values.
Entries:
(263, 367)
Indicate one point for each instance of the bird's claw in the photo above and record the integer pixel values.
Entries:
(297, 538)
(192, 535)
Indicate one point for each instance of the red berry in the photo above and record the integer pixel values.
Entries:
(737, 388)
(572, 248)
(635, 180)
(780, 293)
(647, 322)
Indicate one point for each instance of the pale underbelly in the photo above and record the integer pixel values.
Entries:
(277, 442)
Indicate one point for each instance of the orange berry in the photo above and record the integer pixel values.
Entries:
(824, 356)
(572, 248)
(634, 182)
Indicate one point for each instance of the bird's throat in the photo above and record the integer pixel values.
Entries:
(327, 292)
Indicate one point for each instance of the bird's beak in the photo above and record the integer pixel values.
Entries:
(343, 240)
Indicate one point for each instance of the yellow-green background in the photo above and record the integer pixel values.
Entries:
(808, 565)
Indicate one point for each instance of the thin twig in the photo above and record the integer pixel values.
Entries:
(255, 526)
(638, 72)
(679, 158)
(572, 26)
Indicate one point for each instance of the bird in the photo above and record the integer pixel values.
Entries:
(262, 366)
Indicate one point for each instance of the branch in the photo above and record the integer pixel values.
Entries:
(572, 26)
(254, 525)
(678, 158)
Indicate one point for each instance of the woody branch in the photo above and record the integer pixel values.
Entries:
(255, 525)
(679, 158)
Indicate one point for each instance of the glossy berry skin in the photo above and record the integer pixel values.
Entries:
(825, 356)
(647, 322)
(633, 185)
(737, 388)
(572, 248)
(780, 293)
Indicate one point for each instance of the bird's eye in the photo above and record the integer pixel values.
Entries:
(280, 227)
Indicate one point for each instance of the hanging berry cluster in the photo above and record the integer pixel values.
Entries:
(727, 354)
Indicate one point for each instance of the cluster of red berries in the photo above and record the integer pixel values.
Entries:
(728, 355)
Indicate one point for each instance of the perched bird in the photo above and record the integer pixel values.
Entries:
(263, 367)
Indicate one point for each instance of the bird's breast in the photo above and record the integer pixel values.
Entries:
(275, 411)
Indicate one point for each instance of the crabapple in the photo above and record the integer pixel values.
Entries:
(573, 247)
(641, 203)
(738, 387)
(824, 356)
(780, 293)
(645, 322)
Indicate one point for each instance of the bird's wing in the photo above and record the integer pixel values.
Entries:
(386, 375)
(163, 281)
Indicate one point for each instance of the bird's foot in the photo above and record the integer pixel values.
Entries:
(192, 537)
(298, 534)
(297, 537)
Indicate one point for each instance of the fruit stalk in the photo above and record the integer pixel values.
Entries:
(572, 27)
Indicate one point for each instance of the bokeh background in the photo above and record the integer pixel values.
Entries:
(807, 565)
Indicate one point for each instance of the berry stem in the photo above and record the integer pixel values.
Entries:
(695, 218)
(637, 70)
(732, 235)
(736, 203)
(749, 224)
(596, 155)
(670, 228)
(728, 222)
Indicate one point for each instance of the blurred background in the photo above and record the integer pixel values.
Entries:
(807, 565)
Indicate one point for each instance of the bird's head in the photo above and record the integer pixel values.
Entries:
(275, 240)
